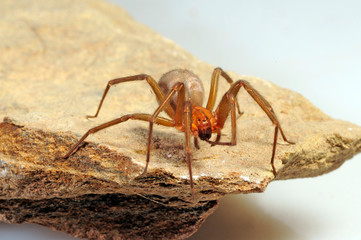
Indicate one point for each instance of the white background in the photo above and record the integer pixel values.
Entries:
(312, 47)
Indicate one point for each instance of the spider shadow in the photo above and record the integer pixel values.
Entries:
(166, 142)
(240, 218)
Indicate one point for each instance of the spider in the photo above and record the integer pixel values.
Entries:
(180, 94)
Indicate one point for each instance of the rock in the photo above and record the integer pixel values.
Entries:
(108, 216)
(55, 62)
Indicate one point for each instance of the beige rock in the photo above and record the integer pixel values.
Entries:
(55, 62)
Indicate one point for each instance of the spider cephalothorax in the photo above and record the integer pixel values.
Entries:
(180, 94)
(203, 123)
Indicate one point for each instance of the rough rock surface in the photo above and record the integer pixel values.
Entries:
(108, 216)
(56, 58)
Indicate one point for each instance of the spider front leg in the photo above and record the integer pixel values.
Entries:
(217, 73)
(221, 114)
(182, 121)
(226, 105)
(179, 87)
(187, 131)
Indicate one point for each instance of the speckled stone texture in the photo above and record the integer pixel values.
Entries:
(56, 59)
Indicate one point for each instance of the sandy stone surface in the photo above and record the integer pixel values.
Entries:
(56, 59)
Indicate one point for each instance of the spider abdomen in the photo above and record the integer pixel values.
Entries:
(192, 83)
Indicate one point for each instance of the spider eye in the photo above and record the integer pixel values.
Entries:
(199, 119)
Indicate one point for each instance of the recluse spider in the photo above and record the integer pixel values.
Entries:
(180, 94)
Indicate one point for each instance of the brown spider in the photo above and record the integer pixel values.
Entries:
(180, 94)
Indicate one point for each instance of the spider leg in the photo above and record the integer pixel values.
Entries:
(217, 72)
(232, 108)
(225, 107)
(178, 87)
(262, 102)
(187, 130)
(153, 84)
(137, 116)
(182, 121)
(196, 143)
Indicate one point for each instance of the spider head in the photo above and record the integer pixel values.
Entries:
(203, 122)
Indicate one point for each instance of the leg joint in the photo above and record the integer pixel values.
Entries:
(230, 97)
(242, 83)
(218, 69)
(151, 120)
(145, 77)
